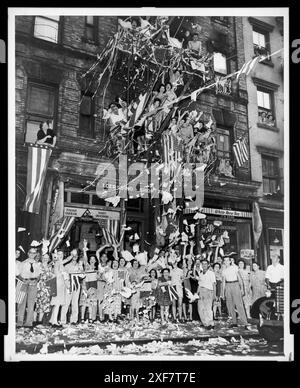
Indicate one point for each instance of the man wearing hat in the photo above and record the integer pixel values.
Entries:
(28, 272)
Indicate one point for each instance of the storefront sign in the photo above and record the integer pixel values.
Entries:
(228, 213)
(95, 213)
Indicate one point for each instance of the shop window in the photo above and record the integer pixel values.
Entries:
(270, 175)
(46, 28)
(220, 63)
(40, 107)
(80, 198)
(265, 107)
(275, 238)
(98, 201)
(86, 118)
(91, 28)
(135, 204)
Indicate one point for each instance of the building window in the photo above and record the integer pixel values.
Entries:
(220, 63)
(265, 107)
(40, 107)
(224, 152)
(86, 118)
(270, 175)
(46, 28)
(261, 43)
(220, 19)
(91, 27)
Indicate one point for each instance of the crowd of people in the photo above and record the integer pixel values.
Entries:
(115, 285)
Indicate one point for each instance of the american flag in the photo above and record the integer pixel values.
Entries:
(138, 108)
(110, 233)
(241, 151)
(173, 293)
(171, 149)
(21, 289)
(63, 231)
(74, 281)
(37, 163)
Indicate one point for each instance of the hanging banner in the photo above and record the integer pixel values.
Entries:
(98, 214)
(222, 212)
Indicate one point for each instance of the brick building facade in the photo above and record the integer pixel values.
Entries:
(49, 84)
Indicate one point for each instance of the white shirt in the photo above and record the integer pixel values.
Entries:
(275, 273)
(230, 273)
(207, 280)
(176, 276)
(23, 269)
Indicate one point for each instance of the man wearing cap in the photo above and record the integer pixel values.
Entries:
(28, 272)
(234, 290)
(274, 273)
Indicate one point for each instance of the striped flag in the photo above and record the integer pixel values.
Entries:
(173, 293)
(37, 163)
(21, 289)
(110, 233)
(240, 151)
(248, 67)
(138, 108)
(63, 231)
(74, 281)
(172, 149)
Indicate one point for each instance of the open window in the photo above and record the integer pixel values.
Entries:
(270, 174)
(91, 28)
(86, 116)
(220, 63)
(41, 104)
(47, 28)
(265, 107)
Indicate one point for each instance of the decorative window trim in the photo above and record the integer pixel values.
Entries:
(265, 84)
(269, 151)
(260, 25)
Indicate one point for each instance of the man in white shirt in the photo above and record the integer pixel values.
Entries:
(207, 294)
(274, 273)
(75, 271)
(234, 290)
(176, 280)
(29, 272)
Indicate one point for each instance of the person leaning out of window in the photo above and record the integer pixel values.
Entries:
(46, 135)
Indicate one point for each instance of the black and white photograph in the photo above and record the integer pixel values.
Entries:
(148, 184)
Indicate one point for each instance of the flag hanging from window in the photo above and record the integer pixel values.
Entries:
(240, 151)
(37, 163)
(110, 232)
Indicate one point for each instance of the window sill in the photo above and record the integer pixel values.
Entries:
(89, 41)
(265, 126)
(266, 62)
